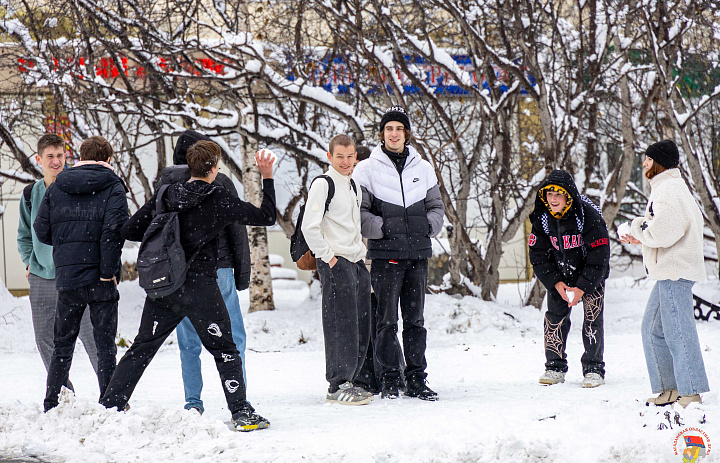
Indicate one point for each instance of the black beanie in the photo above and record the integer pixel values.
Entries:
(186, 140)
(664, 153)
(397, 114)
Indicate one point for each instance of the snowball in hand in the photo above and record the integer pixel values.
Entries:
(267, 152)
(623, 229)
(570, 295)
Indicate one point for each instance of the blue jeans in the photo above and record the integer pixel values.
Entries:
(190, 345)
(670, 340)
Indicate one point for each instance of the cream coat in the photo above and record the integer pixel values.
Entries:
(338, 233)
(671, 232)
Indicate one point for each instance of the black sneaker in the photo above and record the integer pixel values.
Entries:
(247, 420)
(390, 390)
(417, 387)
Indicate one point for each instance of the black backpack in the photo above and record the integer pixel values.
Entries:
(161, 263)
(298, 245)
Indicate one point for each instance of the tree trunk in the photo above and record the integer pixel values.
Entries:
(536, 295)
(617, 185)
(261, 293)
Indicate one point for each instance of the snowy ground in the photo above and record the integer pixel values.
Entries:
(484, 360)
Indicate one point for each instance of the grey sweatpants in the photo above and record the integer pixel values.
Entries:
(43, 302)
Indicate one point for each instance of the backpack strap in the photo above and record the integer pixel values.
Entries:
(331, 191)
(158, 199)
(27, 193)
(354, 187)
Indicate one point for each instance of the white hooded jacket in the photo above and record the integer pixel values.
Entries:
(671, 232)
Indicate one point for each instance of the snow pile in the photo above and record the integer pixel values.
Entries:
(16, 333)
(84, 431)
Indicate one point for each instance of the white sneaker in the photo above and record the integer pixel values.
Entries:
(552, 377)
(593, 380)
(347, 395)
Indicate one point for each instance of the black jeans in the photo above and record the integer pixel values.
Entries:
(345, 318)
(200, 300)
(557, 326)
(102, 298)
(403, 282)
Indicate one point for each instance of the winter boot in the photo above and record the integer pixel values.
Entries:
(246, 419)
(348, 395)
(593, 380)
(552, 377)
(390, 389)
(686, 400)
(417, 387)
(665, 398)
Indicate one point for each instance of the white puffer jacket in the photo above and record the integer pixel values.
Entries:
(671, 232)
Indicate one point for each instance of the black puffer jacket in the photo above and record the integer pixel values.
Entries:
(80, 217)
(573, 249)
(233, 244)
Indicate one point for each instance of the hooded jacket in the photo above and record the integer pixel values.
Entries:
(401, 207)
(574, 248)
(81, 216)
(233, 243)
(204, 211)
(671, 232)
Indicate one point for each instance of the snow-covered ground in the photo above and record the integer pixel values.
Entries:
(484, 359)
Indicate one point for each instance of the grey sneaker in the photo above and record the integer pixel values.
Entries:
(348, 395)
(552, 377)
(363, 391)
(593, 380)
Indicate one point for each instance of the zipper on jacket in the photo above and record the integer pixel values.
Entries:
(402, 192)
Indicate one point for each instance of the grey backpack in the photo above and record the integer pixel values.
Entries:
(161, 263)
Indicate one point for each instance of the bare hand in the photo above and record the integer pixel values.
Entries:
(332, 262)
(264, 160)
(561, 288)
(27, 272)
(577, 296)
(629, 239)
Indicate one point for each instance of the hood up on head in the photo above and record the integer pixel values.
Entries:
(558, 189)
(561, 180)
(186, 140)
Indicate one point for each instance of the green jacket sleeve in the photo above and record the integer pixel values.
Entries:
(24, 235)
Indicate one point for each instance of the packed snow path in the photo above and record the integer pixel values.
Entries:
(484, 360)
